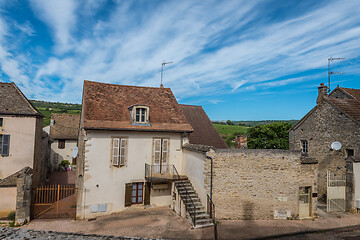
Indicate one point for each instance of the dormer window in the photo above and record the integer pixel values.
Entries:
(139, 114)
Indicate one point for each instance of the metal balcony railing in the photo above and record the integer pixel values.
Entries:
(154, 173)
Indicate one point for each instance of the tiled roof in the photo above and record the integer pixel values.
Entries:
(355, 93)
(13, 101)
(65, 126)
(10, 181)
(350, 107)
(197, 147)
(204, 131)
(105, 106)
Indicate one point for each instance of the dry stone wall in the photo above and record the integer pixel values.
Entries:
(259, 184)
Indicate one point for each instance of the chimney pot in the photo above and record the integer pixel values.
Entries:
(161, 86)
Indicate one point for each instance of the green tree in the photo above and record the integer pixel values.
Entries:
(228, 122)
(270, 136)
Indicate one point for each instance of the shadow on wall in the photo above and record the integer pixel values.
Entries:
(248, 210)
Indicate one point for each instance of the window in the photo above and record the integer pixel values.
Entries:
(304, 146)
(119, 146)
(137, 193)
(350, 152)
(139, 114)
(61, 144)
(4, 145)
(160, 155)
(1, 122)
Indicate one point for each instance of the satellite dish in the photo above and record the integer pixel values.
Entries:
(336, 146)
(75, 152)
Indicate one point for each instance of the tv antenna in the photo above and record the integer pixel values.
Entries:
(330, 59)
(162, 71)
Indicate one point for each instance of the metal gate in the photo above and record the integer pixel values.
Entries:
(56, 201)
(336, 187)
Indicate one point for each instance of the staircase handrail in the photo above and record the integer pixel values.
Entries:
(187, 195)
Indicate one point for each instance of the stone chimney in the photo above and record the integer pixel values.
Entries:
(161, 86)
(322, 93)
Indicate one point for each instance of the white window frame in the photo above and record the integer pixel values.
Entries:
(119, 151)
(144, 111)
(304, 146)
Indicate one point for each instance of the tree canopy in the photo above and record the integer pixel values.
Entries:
(269, 136)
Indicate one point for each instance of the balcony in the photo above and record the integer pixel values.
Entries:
(161, 173)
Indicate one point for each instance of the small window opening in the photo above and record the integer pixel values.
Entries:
(304, 146)
(350, 152)
(1, 122)
(61, 144)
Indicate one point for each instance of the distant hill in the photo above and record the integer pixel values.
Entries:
(254, 123)
(46, 108)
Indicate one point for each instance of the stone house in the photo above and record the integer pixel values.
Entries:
(20, 142)
(64, 130)
(131, 151)
(333, 121)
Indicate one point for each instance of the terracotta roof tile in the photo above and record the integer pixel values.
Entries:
(204, 131)
(355, 93)
(351, 107)
(105, 106)
(65, 126)
(13, 101)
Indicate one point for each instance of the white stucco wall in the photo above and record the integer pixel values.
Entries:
(62, 154)
(193, 168)
(105, 184)
(22, 143)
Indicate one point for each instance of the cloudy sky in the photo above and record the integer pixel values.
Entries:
(240, 60)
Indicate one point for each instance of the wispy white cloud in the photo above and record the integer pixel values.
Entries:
(227, 51)
(60, 16)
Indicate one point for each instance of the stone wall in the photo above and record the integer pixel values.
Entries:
(23, 198)
(326, 124)
(259, 184)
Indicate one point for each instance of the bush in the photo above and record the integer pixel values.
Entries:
(65, 163)
(11, 215)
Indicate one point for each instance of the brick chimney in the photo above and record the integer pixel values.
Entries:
(322, 93)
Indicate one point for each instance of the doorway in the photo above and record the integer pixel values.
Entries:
(304, 202)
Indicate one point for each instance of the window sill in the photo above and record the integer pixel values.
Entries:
(141, 124)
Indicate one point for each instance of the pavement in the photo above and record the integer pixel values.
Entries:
(163, 223)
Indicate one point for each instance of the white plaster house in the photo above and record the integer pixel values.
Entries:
(20, 141)
(131, 151)
(64, 129)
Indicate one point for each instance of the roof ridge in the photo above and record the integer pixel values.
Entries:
(122, 85)
(26, 100)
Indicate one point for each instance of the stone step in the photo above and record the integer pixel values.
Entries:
(202, 216)
(185, 188)
(204, 225)
(187, 195)
(203, 221)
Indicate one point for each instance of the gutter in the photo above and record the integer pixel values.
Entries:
(137, 129)
(211, 175)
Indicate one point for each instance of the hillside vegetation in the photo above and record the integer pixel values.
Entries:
(47, 108)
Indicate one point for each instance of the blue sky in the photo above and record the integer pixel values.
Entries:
(240, 60)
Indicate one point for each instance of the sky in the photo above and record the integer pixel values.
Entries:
(240, 60)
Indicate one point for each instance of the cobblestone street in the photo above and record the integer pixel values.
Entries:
(17, 233)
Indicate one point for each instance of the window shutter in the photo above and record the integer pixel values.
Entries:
(147, 194)
(122, 151)
(128, 192)
(5, 145)
(165, 145)
(115, 152)
(157, 151)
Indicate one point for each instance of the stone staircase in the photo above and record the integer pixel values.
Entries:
(202, 219)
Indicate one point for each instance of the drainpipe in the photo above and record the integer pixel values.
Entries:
(211, 175)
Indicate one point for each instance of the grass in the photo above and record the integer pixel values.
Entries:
(230, 129)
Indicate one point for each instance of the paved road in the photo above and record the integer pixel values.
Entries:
(352, 233)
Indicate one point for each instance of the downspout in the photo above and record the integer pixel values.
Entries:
(211, 175)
